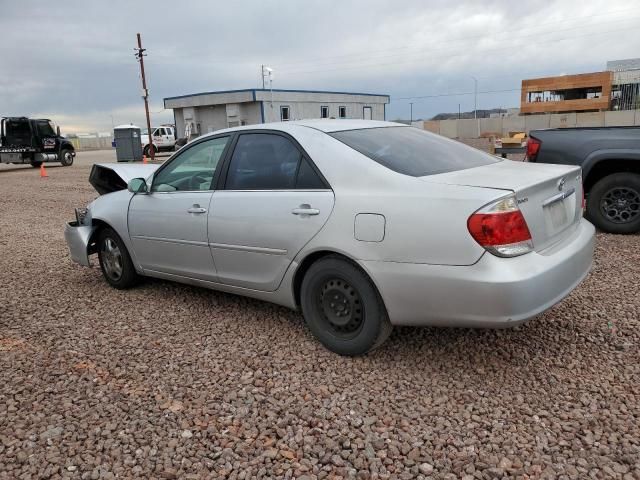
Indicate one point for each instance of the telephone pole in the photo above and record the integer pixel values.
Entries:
(145, 92)
(411, 115)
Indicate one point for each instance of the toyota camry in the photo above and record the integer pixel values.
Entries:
(361, 225)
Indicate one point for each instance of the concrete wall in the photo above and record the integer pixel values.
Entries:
(91, 143)
(468, 128)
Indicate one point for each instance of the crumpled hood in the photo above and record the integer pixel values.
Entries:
(111, 177)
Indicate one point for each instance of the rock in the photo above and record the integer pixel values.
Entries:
(426, 468)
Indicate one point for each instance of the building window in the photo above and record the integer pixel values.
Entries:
(342, 112)
(324, 111)
(284, 114)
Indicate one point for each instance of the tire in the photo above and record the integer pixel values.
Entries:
(342, 307)
(66, 157)
(614, 203)
(115, 262)
(36, 164)
(147, 151)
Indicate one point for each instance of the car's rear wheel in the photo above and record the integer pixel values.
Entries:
(614, 203)
(115, 261)
(343, 308)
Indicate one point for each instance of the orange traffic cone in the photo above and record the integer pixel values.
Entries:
(43, 171)
(144, 159)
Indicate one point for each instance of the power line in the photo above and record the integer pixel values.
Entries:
(457, 94)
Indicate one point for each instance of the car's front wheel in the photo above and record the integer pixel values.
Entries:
(614, 203)
(343, 308)
(115, 261)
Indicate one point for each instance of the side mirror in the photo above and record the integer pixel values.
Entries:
(137, 185)
(58, 130)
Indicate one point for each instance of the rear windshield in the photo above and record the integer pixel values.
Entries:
(412, 151)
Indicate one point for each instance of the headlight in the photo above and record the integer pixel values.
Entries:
(81, 214)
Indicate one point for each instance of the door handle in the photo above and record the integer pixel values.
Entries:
(196, 209)
(305, 209)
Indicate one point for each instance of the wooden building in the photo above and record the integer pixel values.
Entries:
(587, 92)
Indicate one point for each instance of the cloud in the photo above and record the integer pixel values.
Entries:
(77, 65)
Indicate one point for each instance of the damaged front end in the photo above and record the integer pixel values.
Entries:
(111, 177)
(105, 178)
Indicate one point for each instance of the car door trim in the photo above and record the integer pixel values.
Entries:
(246, 248)
(171, 240)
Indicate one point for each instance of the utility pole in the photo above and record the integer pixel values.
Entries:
(458, 111)
(262, 75)
(145, 92)
(475, 102)
(411, 120)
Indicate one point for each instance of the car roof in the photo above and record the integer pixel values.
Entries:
(323, 125)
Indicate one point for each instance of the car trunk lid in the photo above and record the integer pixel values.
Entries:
(549, 196)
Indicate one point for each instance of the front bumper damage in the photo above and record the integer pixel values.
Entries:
(78, 237)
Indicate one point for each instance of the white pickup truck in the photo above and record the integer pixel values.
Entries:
(163, 137)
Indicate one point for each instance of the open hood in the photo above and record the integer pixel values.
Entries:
(111, 177)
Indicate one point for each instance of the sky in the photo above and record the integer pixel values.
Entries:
(73, 61)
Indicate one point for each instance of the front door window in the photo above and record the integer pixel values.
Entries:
(193, 169)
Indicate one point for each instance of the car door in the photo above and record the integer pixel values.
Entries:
(168, 226)
(273, 202)
(168, 138)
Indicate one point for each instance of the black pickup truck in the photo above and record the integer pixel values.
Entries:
(610, 161)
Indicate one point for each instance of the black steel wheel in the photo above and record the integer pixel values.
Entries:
(115, 262)
(342, 307)
(614, 203)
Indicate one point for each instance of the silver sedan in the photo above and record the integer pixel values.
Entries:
(360, 224)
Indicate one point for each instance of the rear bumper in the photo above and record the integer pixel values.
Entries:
(494, 292)
(77, 237)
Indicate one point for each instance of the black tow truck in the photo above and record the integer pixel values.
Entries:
(34, 141)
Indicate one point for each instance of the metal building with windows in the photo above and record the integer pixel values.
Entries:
(206, 112)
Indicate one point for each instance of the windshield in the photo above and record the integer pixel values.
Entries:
(412, 151)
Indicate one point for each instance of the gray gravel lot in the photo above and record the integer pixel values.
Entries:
(173, 381)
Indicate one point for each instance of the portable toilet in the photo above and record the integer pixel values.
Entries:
(128, 144)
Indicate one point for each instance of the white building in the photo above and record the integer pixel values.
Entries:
(200, 113)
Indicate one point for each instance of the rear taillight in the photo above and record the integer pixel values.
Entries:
(501, 228)
(533, 146)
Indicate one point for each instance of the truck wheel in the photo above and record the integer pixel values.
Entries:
(614, 203)
(66, 157)
(147, 150)
(342, 307)
(115, 262)
(36, 164)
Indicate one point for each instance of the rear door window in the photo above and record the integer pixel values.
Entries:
(266, 161)
(412, 151)
(263, 161)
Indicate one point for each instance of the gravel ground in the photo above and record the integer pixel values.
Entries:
(172, 381)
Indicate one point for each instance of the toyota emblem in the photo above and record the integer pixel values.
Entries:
(561, 183)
